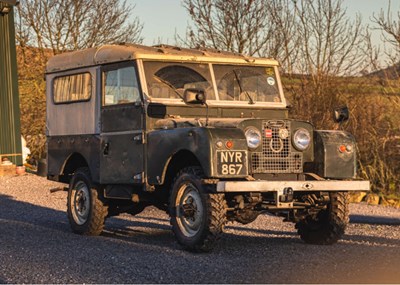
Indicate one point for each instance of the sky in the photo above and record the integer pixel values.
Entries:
(162, 19)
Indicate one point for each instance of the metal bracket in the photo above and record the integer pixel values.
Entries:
(284, 198)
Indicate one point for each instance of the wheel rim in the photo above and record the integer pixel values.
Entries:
(189, 210)
(80, 203)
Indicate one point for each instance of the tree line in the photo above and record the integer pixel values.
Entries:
(327, 59)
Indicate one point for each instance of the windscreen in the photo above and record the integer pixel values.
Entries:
(169, 80)
(246, 83)
(236, 83)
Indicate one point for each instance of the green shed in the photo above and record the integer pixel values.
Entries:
(10, 132)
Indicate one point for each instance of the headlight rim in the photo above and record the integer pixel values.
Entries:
(256, 131)
(296, 145)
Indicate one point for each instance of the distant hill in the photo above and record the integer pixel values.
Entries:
(391, 72)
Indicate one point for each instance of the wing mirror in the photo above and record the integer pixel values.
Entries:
(194, 96)
(341, 114)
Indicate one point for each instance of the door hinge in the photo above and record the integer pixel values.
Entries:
(140, 138)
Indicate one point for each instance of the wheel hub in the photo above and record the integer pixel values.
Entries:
(189, 210)
(80, 203)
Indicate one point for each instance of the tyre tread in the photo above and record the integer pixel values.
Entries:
(99, 211)
(216, 214)
(332, 225)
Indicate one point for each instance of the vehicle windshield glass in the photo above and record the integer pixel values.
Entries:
(169, 80)
(246, 83)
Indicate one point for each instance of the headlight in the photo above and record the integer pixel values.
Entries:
(301, 139)
(253, 137)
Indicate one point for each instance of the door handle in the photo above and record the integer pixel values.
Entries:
(106, 148)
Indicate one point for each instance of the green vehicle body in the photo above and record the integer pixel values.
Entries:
(174, 117)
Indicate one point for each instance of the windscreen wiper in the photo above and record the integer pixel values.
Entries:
(251, 101)
(169, 85)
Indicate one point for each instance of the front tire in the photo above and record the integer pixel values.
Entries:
(86, 212)
(329, 225)
(197, 217)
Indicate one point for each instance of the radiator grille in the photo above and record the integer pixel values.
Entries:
(277, 154)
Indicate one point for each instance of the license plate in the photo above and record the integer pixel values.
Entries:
(232, 162)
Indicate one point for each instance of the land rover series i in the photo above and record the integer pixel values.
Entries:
(203, 134)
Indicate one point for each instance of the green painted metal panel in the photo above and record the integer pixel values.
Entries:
(10, 133)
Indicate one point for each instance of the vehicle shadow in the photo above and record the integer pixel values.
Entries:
(146, 230)
(143, 246)
(18, 211)
(138, 230)
(27, 216)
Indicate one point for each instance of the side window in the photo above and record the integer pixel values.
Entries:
(72, 88)
(120, 86)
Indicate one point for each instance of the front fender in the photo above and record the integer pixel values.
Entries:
(330, 161)
(199, 141)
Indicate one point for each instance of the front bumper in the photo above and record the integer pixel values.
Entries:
(303, 186)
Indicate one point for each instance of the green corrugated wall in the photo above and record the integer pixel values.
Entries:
(10, 131)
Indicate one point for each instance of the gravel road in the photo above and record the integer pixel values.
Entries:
(37, 246)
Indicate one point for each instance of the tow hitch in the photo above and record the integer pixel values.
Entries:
(284, 198)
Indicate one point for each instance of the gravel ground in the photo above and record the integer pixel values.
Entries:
(37, 246)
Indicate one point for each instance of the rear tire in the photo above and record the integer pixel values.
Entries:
(197, 217)
(86, 212)
(329, 225)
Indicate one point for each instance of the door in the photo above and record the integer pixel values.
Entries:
(122, 120)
